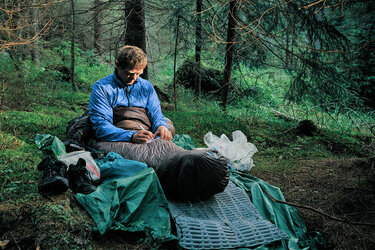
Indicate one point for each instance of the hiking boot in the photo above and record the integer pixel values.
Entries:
(54, 179)
(79, 178)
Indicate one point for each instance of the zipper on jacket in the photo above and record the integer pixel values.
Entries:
(127, 95)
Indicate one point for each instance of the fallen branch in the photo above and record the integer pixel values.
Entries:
(363, 120)
(319, 212)
(283, 116)
(310, 5)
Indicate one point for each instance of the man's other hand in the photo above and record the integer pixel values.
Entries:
(142, 136)
(164, 133)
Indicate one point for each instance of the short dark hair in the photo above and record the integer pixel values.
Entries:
(130, 57)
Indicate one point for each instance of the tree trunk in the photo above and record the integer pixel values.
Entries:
(72, 51)
(175, 63)
(228, 54)
(35, 18)
(198, 48)
(287, 53)
(98, 30)
(135, 31)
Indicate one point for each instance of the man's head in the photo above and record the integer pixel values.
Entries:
(130, 63)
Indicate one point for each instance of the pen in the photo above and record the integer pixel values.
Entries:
(141, 127)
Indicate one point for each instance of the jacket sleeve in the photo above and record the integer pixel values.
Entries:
(101, 116)
(154, 110)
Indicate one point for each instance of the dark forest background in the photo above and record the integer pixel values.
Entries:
(324, 48)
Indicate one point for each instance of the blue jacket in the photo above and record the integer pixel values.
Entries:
(111, 92)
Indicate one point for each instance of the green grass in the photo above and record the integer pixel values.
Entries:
(48, 107)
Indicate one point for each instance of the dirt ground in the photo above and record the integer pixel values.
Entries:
(342, 189)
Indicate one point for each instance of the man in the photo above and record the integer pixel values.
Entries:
(124, 88)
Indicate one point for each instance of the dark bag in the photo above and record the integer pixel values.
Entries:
(80, 130)
(193, 175)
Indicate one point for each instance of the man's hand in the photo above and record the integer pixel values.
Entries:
(164, 133)
(142, 136)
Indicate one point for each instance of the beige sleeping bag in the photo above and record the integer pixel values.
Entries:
(150, 153)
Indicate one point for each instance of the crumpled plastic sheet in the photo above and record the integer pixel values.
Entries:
(238, 152)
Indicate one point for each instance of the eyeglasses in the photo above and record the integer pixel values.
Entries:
(132, 74)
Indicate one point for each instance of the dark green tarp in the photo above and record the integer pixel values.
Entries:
(184, 141)
(50, 143)
(114, 166)
(131, 204)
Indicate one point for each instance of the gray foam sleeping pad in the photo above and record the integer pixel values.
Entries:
(150, 153)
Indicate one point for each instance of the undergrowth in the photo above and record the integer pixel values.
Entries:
(36, 100)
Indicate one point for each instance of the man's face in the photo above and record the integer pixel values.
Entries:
(129, 76)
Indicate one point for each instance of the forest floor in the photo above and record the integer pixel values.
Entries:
(329, 178)
(341, 190)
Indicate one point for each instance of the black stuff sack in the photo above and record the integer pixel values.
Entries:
(193, 175)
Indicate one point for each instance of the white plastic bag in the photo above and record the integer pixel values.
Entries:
(73, 157)
(238, 152)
